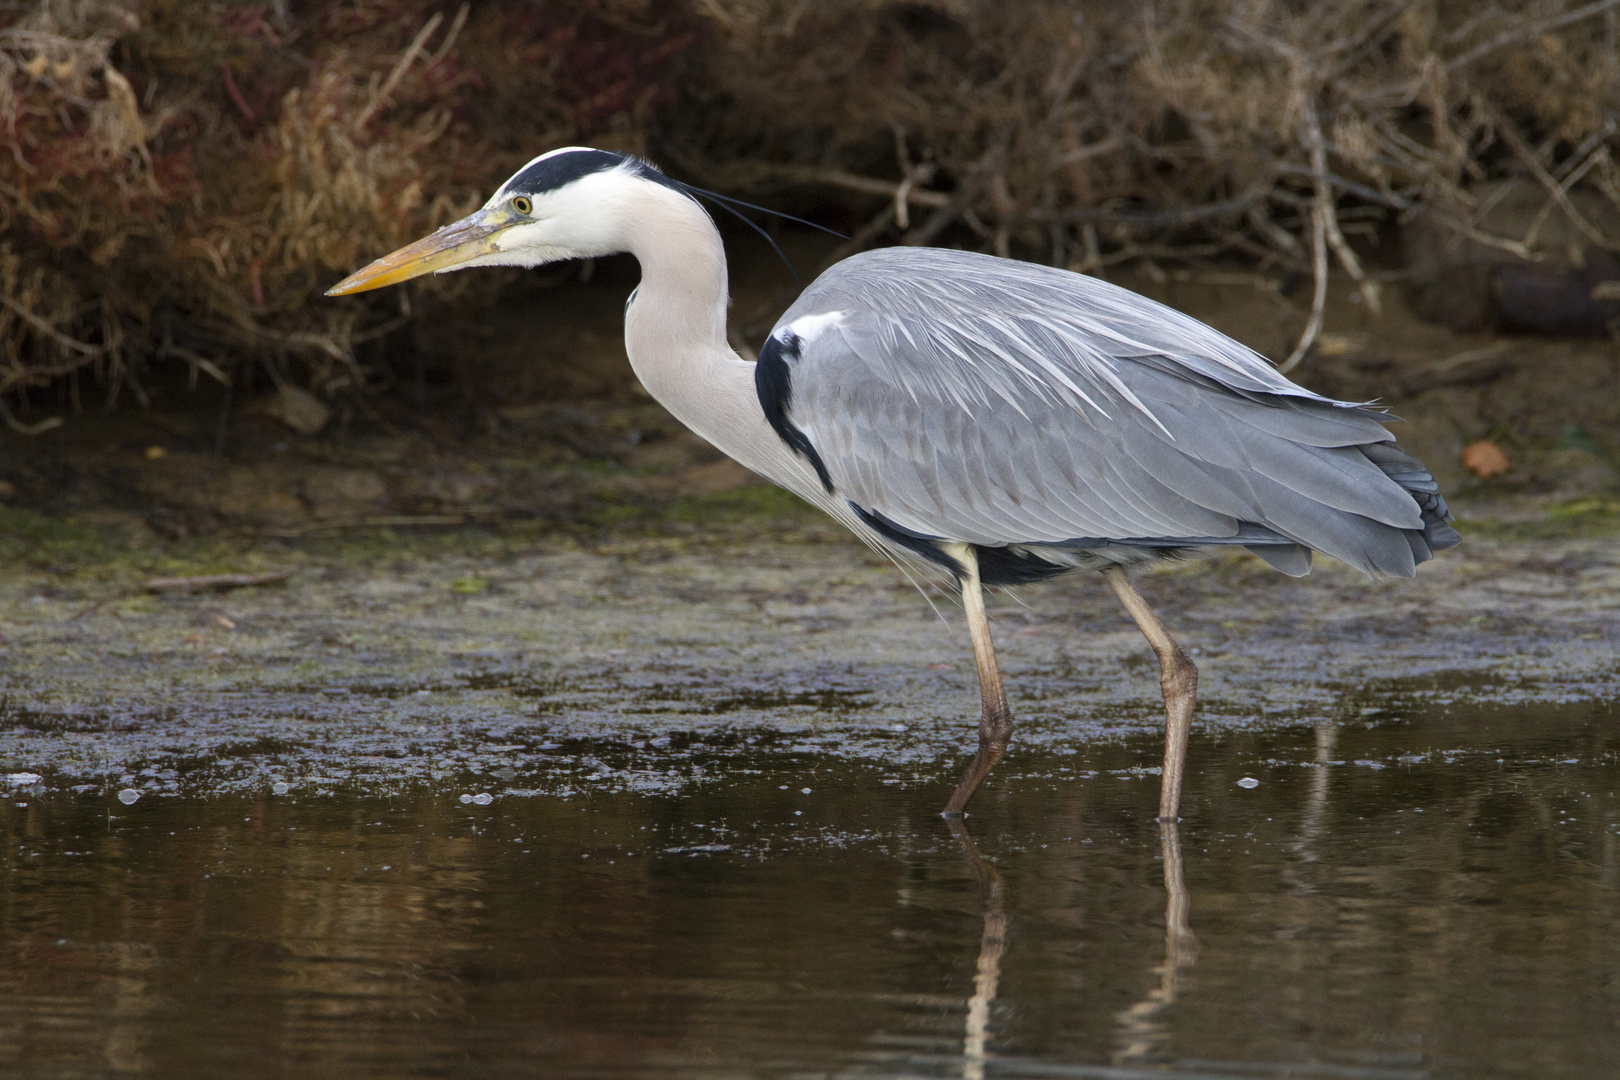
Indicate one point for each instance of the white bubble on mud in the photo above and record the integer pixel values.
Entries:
(483, 798)
(129, 796)
(1248, 782)
(280, 787)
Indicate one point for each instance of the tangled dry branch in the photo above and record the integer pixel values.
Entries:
(1094, 133)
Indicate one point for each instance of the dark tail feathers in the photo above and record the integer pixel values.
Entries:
(1408, 471)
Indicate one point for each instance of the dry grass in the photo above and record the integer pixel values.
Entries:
(186, 176)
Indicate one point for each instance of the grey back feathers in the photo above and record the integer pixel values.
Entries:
(959, 397)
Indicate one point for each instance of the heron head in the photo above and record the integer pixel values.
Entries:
(567, 204)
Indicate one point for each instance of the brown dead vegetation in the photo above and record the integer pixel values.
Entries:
(1093, 134)
(184, 177)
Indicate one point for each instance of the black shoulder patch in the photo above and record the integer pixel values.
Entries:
(773, 382)
(560, 170)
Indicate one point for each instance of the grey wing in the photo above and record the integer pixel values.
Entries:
(1014, 421)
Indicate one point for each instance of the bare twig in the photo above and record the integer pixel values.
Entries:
(1324, 216)
(1585, 154)
(966, 191)
(1559, 193)
(869, 185)
(1361, 191)
(414, 49)
(1566, 184)
(83, 348)
(1319, 268)
(1478, 236)
(1079, 153)
(910, 194)
(1180, 215)
(1529, 30)
(197, 363)
(450, 35)
(214, 582)
(1279, 237)
(27, 429)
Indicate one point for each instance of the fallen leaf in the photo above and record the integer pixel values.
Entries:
(1484, 458)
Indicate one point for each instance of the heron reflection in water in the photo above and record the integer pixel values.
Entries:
(989, 421)
(1142, 1032)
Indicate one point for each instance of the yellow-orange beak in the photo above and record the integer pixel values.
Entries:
(446, 249)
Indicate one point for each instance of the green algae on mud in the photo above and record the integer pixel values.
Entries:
(738, 614)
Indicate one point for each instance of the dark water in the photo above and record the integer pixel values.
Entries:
(1411, 894)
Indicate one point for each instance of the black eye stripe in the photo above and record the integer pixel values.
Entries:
(563, 169)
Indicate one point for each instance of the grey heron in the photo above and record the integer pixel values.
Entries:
(991, 420)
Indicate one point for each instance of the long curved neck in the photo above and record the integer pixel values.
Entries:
(679, 310)
(675, 334)
(675, 329)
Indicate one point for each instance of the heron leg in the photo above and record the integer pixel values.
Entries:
(995, 724)
(1179, 680)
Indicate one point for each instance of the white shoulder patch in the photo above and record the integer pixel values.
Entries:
(810, 327)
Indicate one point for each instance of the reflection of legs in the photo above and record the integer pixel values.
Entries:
(995, 724)
(1178, 678)
(992, 943)
(1315, 800)
(1180, 943)
(1144, 1033)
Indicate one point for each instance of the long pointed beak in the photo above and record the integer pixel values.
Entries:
(446, 249)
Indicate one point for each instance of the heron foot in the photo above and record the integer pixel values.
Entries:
(995, 732)
(996, 723)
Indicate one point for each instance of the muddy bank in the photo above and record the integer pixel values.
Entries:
(573, 661)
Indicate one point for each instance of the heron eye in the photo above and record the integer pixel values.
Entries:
(522, 205)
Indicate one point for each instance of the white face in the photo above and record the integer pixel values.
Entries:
(579, 220)
(539, 216)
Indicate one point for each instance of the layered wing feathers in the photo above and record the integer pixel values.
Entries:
(1001, 403)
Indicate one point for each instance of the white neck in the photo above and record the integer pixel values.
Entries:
(680, 308)
(675, 335)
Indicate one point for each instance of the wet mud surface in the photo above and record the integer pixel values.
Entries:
(545, 664)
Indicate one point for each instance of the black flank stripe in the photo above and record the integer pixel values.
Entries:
(997, 565)
(1004, 566)
(926, 546)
